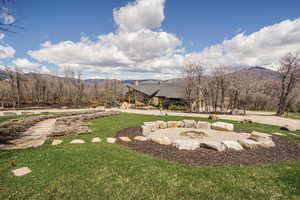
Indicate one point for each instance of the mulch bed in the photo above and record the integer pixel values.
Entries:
(283, 151)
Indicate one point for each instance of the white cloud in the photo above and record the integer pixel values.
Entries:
(28, 66)
(24, 63)
(44, 70)
(6, 16)
(140, 14)
(262, 48)
(6, 51)
(128, 49)
(2, 36)
(138, 47)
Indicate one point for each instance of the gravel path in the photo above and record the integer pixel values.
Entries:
(259, 117)
(33, 137)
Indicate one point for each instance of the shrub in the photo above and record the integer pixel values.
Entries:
(176, 107)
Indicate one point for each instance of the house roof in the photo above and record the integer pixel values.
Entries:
(169, 90)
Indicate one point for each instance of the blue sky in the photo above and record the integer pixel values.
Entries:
(178, 31)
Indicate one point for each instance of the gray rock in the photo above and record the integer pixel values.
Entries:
(266, 143)
(162, 124)
(213, 145)
(153, 125)
(21, 171)
(146, 129)
(111, 140)
(56, 142)
(222, 126)
(190, 124)
(141, 138)
(248, 144)
(77, 141)
(125, 139)
(96, 139)
(233, 145)
(259, 136)
(173, 124)
(161, 140)
(203, 125)
(186, 144)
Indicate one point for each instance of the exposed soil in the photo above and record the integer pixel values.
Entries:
(283, 151)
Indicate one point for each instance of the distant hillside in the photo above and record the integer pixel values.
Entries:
(3, 74)
(141, 81)
(262, 73)
(258, 72)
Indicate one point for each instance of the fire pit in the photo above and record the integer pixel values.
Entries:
(190, 135)
(194, 134)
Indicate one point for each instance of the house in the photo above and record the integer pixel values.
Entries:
(156, 93)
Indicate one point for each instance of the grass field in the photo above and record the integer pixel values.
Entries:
(111, 171)
(293, 115)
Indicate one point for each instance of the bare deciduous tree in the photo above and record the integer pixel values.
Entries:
(290, 75)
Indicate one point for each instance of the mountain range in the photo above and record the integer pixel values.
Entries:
(258, 72)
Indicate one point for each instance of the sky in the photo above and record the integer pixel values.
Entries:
(146, 39)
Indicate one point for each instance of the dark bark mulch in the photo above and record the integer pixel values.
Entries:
(283, 151)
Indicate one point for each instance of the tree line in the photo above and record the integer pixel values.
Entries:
(226, 90)
(20, 89)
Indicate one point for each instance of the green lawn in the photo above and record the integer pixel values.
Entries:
(110, 171)
(293, 115)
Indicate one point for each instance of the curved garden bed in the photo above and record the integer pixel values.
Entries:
(283, 151)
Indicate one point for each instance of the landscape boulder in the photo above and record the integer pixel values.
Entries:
(213, 145)
(203, 125)
(172, 124)
(152, 125)
(259, 136)
(56, 142)
(248, 144)
(21, 171)
(190, 124)
(146, 130)
(77, 141)
(161, 140)
(125, 139)
(266, 143)
(141, 138)
(162, 124)
(222, 126)
(186, 144)
(264, 140)
(96, 139)
(232, 145)
(111, 140)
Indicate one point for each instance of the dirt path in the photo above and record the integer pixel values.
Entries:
(259, 117)
(33, 137)
(54, 110)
